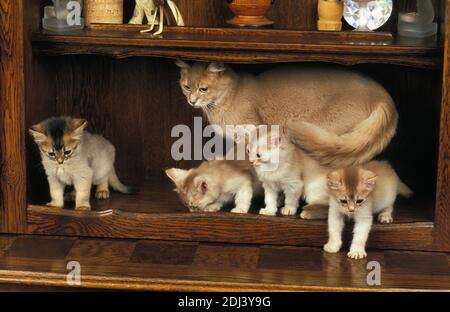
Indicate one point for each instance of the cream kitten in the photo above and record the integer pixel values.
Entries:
(215, 183)
(338, 117)
(72, 156)
(282, 168)
(358, 193)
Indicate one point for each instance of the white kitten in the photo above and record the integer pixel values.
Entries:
(358, 193)
(283, 168)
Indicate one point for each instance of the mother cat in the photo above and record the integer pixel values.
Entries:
(338, 117)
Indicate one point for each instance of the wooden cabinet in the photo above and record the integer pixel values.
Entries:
(126, 85)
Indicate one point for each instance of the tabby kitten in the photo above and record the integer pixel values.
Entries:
(215, 183)
(72, 156)
(358, 193)
(338, 117)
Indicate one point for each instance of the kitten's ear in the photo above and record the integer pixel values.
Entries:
(334, 180)
(182, 64)
(177, 175)
(216, 67)
(38, 133)
(369, 179)
(275, 140)
(202, 186)
(77, 125)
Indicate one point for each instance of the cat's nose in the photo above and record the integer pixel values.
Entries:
(60, 161)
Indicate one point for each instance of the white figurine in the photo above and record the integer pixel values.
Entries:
(150, 10)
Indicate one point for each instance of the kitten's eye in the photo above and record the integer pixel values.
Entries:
(203, 90)
(187, 87)
(258, 155)
(51, 154)
(67, 153)
(360, 201)
(344, 201)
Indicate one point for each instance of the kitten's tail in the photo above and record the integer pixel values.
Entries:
(367, 139)
(404, 190)
(119, 186)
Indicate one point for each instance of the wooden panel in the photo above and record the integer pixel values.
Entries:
(12, 141)
(157, 214)
(198, 267)
(243, 45)
(443, 190)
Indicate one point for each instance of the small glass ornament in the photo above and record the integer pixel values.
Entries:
(367, 15)
(64, 15)
(418, 24)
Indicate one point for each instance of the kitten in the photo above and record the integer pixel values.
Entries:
(283, 168)
(358, 193)
(215, 183)
(338, 117)
(72, 156)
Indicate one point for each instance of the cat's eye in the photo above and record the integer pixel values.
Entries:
(187, 87)
(360, 201)
(344, 201)
(258, 155)
(51, 154)
(203, 90)
(67, 153)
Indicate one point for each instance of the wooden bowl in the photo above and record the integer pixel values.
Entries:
(250, 13)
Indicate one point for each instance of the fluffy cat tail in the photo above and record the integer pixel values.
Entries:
(119, 186)
(366, 140)
(404, 190)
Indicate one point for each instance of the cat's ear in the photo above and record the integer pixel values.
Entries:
(202, 186)
(368, 178)
(38, 133)
(177, 175)
(77, 125)
(182, 64)
(216, 67)
(334, 180)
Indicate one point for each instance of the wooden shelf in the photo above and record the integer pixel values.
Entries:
(156, 213)
(243, 45)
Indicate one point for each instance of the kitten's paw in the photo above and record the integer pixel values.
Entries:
(332, 247)
(268, 212)
(213, 208)
(103, 194)
(239, 210)
(357, 253)
(307, 215)
(83, 207)
(55, 204)
(385, 218)
(288, 211)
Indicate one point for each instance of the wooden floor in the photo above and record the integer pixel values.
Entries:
(32, 261)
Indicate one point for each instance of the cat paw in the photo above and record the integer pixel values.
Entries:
(55, 204)
(103, 194)
(385, 218)
(357, 254)
(238, 210)
(288, 211)
(332, 247)
(212, 208)
(306, 215)
(267, 212)
(83, 207)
